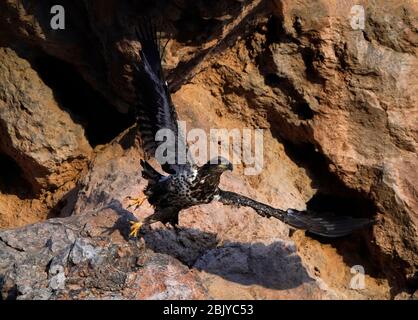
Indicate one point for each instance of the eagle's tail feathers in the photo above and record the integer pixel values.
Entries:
(326, 225)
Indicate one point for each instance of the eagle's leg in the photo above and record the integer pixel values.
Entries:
(137, 225)
(172, 226)
(135, 228)
(137, 202)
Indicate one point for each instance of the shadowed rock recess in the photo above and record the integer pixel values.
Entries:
(339, 111)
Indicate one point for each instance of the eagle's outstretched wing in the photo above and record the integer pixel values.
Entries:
(326, 225)
(155, 108)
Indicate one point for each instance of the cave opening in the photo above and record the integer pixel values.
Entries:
(101, 121)
(12, 180)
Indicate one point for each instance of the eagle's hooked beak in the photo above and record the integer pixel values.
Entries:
(226, 166)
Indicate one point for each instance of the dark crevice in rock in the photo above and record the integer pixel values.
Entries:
(276, 32)
(65, 206)
(201, 21)
(23, 163)
(12, 180)
(297, 25)
(412, 283)
(10, 246)
(11, 293)
(101, 121)
(332, 195)
(309, 56)
(267, 67)
(283, 127)
(341, 54)
(194, 29)
(351, 205)
(296, 101)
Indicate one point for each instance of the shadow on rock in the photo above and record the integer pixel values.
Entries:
(275, 266)
(122, 223)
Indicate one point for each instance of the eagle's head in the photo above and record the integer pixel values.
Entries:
(214, 168)
(219, 164)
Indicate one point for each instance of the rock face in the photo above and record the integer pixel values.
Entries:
(49, 149)
(338, 106)
(41, 137)
(363, 85)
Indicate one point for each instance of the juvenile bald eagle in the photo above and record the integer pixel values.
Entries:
(187, 185)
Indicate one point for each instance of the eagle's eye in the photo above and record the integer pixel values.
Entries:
(221, 163)
(226, 166)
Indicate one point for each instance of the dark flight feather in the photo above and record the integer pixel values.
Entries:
(155, 108)
(326, 225)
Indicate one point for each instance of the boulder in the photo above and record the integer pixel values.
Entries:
(90, 256)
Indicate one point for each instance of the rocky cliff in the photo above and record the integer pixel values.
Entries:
(338, 105)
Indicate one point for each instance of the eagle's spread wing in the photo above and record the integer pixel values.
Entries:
(326, 225)
(155, 108)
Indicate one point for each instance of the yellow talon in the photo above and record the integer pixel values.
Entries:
(137, 202)
(135, 227)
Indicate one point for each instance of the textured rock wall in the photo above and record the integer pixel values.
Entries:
(339, 109)
(45, 143)
(362, 94)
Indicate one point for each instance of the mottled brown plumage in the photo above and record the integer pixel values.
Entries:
(182, 190)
